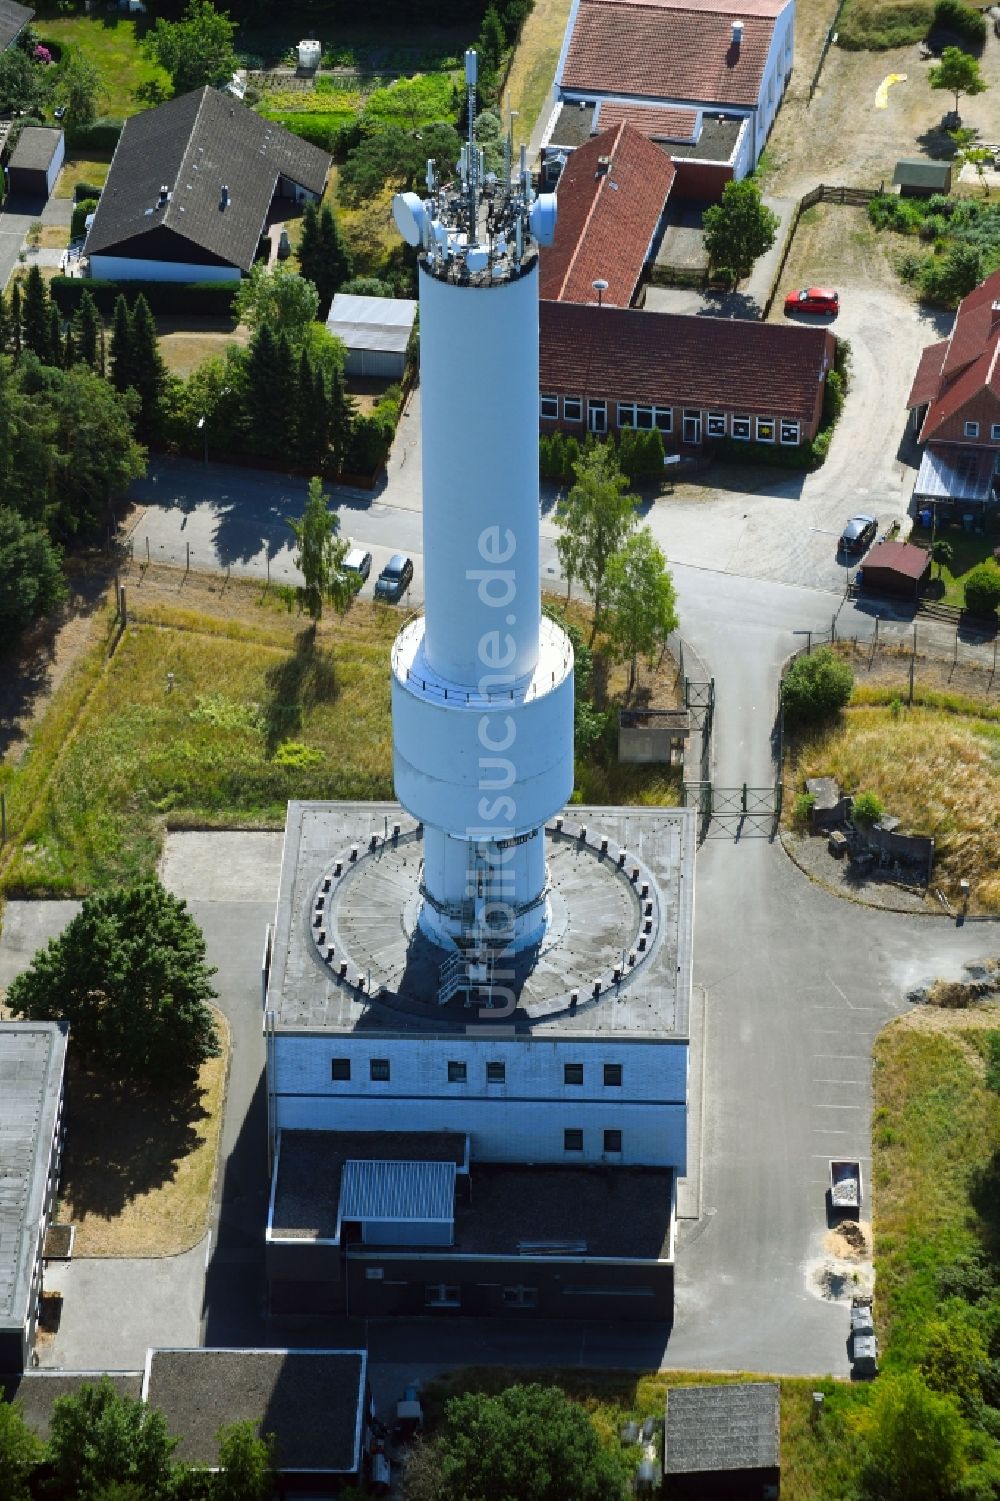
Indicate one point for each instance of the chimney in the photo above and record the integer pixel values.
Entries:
(164, 195)
(603, 166)
(737, 33)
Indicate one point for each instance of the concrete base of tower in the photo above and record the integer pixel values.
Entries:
(488, 893)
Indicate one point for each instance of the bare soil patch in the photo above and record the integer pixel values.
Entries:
(835, 245)
(849, 1241)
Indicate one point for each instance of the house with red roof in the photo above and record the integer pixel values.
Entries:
(702, 78)
(612, 199)
(604, 369)
(954, 404)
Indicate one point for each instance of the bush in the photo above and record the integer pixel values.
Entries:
(78, 223)
(816, 686)
(773, 455)
(868, 26)
(320, 130)
(203, 298)
(955, 15)
(947, 279)
(982, 589)
(99, 135)
(803, 809)
(640, 456)
(868, 808)
(82, 190)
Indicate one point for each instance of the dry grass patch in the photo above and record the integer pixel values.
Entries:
(184, 347)
(81, 169)
(140, 1166)
(534, 64)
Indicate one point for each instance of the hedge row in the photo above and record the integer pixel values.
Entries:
(323, 131)
(202, 298)
(101, 135)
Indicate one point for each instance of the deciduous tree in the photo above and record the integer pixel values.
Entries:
(641, 603)
(740, 228)
(957, 73)
(594, 520)
(195, 50)
(21, 1453)
(31, 576)
(915, 1439)
(100, 1438)
(816, 686)
(246, 1465)
(129, 975)
(321, 554)
(280, 298)
(78, 86)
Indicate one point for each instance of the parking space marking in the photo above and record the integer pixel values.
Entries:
(843, 1057)
(838, 1081)
(829, 1131)
(836, 1107)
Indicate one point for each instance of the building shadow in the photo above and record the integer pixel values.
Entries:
(234, 1303)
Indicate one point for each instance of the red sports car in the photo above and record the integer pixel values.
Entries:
(813, 300)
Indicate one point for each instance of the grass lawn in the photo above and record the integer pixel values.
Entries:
(534, 65)
(880, 24)
(81, 169)
(936, 1151)
(969, 548)
(111, 43)
(139, 1166)
(185, 347)
(936, 765)
(258, 711)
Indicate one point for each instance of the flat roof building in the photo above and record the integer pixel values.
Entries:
(723, 1441)
(375, 332)
(32, 1082)
(36, 162)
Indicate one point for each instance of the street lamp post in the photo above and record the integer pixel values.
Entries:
(600, 286)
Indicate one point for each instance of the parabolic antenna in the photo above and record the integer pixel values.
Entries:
(542, 218)
(410, 217)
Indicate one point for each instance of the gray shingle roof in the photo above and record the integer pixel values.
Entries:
(13, 19)
(195, 146)
(36, 147)
(372, 322)
(311, 1400)
(32, 1059)
(730, 1427)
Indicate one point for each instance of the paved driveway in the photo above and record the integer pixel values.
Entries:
(16, 218)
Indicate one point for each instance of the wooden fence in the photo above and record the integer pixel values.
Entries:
(823, 193)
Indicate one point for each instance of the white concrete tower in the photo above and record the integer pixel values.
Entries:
(482, 684)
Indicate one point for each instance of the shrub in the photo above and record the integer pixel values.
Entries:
(99, 135)
(204, 298)
(947, 279)
(868, 808)
(816, 686)
(955, 15)
(82, 190)
(78, 223)
(803, 809)
(773, 455)
(982, 588)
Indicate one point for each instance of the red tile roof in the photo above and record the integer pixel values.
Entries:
(735, 365)
(899, 557)
(956, 370)
(610, 197)
(670, 49)
(654, 121)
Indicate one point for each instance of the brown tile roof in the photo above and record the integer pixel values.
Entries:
(957, 369)
(654, 121)
(899, 557)
(610, 196)
(670, 49)
(736, 365)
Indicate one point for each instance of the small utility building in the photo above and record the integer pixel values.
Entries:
(375, 332)
(722, 1442)
(919, 177)
(896, 568)
(35, 164)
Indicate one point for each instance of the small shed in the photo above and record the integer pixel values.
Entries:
(919, 177)
(36, 161)
(375, 332)
(896, 568)
(722, 1442)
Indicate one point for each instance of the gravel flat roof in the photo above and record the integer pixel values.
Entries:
(729, 1427)
(312, 1401)
(38, 1391)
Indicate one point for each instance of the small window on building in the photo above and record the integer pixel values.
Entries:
(972, 429)
(612, 1141)
(572, 408)
(520, 1297)
(739, 427)
(597, 416)
(644, 418)
(572, 1139)
(496, 1073)
(340, 1071)
(715, 425)
(374, 1273)
(790, 431)
(663, 419)
(457, 1072)
(612, 1073)
(765, 430)
(379, 1070)
(626, 414)
(572, 1073)
(550, 408)
(995, 433)
(442, 1295)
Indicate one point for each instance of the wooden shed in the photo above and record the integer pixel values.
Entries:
(896, 568)
(919, 177)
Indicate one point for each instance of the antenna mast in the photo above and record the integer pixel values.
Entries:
(472, 159)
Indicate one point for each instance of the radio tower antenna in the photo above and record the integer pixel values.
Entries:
(471, 78)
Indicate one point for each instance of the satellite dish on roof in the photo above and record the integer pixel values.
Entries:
(410, 217)
(542, 218)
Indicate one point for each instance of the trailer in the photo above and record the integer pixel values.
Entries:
(864, 1345)
(846, 1187)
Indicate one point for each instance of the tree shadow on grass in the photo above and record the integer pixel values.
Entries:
(295, 685)
(985, 1195)
(123, 1141)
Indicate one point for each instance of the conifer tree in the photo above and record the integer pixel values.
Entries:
(36, 329)
(5, 324)
(16, 320)
(338, 263)
(85, 332)
(310, 420)
(57, 354)
(342, 412)
(68, 348)
(147, 365)
(309, 248)
(122, 367)
(271, 394)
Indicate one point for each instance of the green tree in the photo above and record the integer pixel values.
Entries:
(6, 325)
(968, 153)
(279, 298)
(78, 87)
(915, 1439)
(20, 83)
(740, 228)
(943, 553)
(594, 519)
(86, 332)
(31, 576)
(953, 1358)
(20, 1453)
(195, 50)
(16, 320)
(148, 372)
(270, 394)
(246, 1465)
(641, 603)
(99, 1438)
(323, 256)
(342, 415)
(816, 686)
(367, 286)
(529, 1443)
(492, 39)
(56, 349)
(123, 373)
(957, 73)
(129, 975)
(321, 555)
(394, 155)
(982, 588)
(36, 328)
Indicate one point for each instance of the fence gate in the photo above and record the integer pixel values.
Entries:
(728, 803)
